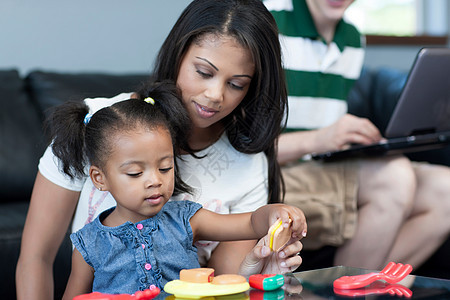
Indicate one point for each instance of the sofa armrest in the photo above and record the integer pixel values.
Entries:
(21, 139)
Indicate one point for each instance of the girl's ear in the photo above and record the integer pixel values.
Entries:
(98, 178)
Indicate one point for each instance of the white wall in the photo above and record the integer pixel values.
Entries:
(84, 35)
(109, 36)
(398, 57)
(433, 14)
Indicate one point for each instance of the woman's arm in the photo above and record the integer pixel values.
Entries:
(246, 258)
(49, 215)
(228, 256)
(81, 277)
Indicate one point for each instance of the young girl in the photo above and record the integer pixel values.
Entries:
(224, 56)
(145, 240)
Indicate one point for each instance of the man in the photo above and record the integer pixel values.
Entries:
(361, 205)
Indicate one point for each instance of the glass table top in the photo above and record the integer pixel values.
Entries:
(318, 284)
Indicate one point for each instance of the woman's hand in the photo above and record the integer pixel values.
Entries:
(261, 260)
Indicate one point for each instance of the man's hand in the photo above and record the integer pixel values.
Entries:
(347, 130)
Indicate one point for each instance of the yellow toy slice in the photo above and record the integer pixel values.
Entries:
(190, 290)
(200, 282)
(279, 235)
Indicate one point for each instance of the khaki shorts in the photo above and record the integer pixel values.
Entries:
(327, 194)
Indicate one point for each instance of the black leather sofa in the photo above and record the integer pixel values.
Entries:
(24, 101)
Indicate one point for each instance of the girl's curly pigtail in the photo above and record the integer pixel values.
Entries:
(66, 125)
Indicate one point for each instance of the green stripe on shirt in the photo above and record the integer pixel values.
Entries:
(316, 84)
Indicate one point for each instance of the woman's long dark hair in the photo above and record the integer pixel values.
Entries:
(254, 126)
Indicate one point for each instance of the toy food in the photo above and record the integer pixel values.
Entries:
(147, 294)
(279, 235)
(199, 275)
(192, 285)
(266, 282)
(229, 279)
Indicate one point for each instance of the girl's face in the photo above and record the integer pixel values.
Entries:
(140, 172)
(214, 77)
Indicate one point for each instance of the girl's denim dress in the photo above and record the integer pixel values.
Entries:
(132, 257)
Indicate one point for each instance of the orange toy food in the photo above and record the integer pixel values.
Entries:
(279, 235)
(228, 279)
(199, 275)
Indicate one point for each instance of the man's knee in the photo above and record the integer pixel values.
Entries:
(391, 184)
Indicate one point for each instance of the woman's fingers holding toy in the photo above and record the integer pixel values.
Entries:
(258, 259)
(289, 255)
(292, 248)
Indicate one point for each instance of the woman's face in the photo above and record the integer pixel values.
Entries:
(214, 77)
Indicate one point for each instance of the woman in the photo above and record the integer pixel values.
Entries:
(225, 58)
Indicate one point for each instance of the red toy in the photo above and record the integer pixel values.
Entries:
(392, 273)
(147, 294)
(377, 288)
(266, 282)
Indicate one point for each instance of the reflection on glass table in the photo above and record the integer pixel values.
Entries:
(318, 284)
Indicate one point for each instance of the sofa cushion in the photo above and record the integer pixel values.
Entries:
(359, 99)
(387, 87)
(48, 89)
(12, 219)
(375, 94)
(21, 139)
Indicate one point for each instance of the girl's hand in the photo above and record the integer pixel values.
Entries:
(286, 212)
(261, 260)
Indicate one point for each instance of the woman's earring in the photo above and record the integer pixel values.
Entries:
(100, 189)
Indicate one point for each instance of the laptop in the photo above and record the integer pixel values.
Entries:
(421, 118)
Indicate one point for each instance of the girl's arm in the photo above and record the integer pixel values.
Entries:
(81, 277)
(49, 215)
(208, 225)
